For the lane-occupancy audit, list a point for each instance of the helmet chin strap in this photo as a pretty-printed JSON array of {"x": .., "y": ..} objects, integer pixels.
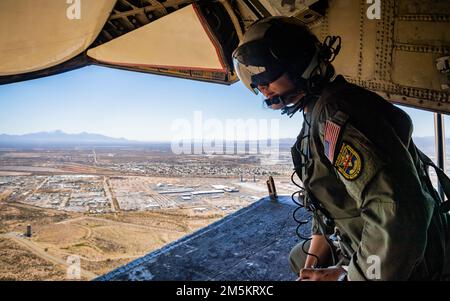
[{"x": 299, "y": 105}]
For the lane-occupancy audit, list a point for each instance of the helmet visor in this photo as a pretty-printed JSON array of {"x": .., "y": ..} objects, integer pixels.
[
  {"x": 245, "y": 75},
  {"x": 257, "y": 68}
]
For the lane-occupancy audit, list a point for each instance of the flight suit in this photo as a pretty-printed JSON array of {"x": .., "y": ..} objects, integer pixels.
[{"x": 355, "y": 156}]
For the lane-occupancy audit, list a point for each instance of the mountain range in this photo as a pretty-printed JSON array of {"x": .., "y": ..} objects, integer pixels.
[{"x": 59, "y": 137}]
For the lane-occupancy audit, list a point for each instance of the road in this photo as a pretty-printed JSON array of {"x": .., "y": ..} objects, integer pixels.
[
  {"x": 38, "y": 251},
  {"x": 118, "y": 223},
  {"x": 40, "y": 185},
  {"x": 110, "y": 195}
]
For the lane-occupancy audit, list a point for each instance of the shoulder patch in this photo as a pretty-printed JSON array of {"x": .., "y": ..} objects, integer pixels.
[
  {"x": 331, "y": 136},
  {"x": 349, "y": 162}
]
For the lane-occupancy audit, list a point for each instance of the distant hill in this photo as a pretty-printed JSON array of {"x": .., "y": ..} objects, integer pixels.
[
  {"x": 427, "y": 144},
  {"x": 60, "y": 138}
]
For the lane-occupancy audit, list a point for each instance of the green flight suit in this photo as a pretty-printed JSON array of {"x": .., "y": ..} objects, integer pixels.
[{"x": 355, "y": 155}]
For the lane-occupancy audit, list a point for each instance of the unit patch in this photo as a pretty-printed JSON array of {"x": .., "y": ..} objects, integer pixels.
[{"x": 349, "y": 162}]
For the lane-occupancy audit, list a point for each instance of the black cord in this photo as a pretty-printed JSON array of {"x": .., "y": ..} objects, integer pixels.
[
  {"x": 310, "y": 206},
  {"x": 328, "y": 52},
  {"x": 302, "y": 190},
  {"x": 301, "y": 223}
]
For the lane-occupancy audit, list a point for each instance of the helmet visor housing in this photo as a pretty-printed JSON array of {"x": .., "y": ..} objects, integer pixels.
[
  {"x": 272, "y": 47},
  {"x": 255, "y": 65}
]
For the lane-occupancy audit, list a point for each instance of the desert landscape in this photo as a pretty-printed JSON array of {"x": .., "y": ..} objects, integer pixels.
[{"x": 102, "y": 208}]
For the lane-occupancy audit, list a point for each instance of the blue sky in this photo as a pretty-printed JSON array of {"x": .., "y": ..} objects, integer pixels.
[{"x": 137, "y": 106}]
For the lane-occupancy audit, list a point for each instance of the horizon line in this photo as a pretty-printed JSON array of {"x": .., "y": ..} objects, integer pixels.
[{"x": 159, "y": 141}]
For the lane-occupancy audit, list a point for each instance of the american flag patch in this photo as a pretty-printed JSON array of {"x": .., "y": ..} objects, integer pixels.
[{"x": 332, "y": 131}]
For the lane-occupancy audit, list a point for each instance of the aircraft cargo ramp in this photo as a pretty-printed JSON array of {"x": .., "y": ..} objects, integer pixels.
[{"x": 250, "y": 244}]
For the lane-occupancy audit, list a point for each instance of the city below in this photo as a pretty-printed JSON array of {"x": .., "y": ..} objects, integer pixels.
[
  {"x": 110, "y": 205},
  {"x": 107, "y": 205}
]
